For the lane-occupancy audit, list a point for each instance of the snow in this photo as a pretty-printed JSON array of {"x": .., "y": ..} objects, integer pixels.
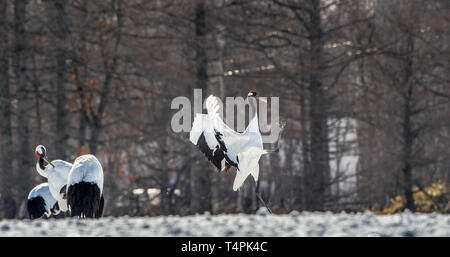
[{"x": 301, "y": 224}]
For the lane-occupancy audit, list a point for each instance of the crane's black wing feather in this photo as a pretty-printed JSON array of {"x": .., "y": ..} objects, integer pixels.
[{"x": 215, "y": 156}]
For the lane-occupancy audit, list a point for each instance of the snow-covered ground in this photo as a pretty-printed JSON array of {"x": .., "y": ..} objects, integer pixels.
[{"x": 260, "y": 224}]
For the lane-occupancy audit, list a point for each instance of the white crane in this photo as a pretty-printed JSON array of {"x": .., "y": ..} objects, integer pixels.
[
  {"x": 85, "y": 187},
  {"x": 40, "y": 201},
  {"x": 56, "y": 173},
  {"x": 225, "y": 147}
]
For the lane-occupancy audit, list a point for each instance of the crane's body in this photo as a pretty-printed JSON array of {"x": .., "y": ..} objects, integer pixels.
[
  {"x": 56, "y": 173},
  {"x": 225, "y": 147},
  {"x": 77, "y": 187},
  {"x": 85, "y": 187},
  {"x": 41, "y": 202}
]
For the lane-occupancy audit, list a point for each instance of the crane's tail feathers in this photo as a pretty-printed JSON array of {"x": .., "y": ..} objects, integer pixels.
[
  {"x": 84, "y": 200},
  {"x": 36, "y": 207},
  {"x": 255, "y": 173},
  {"x": 239, "y": 179}
]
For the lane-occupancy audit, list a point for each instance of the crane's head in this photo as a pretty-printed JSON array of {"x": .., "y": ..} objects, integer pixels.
[
  {"x": 41, "y": 152},
  {"x": 252, "y": 93}
]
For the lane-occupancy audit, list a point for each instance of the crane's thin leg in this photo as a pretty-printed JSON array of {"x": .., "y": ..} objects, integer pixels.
[{"x": 260, "y": 198}]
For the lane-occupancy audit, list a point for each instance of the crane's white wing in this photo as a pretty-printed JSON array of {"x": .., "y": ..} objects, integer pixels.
[
  {"x": 234, "y": 142},
  {"x": 231, "y": 141},
  {"x": 212, "y": 106},
  {"x": 204, "y": 137},
  {"x": 219, "y": 142}
]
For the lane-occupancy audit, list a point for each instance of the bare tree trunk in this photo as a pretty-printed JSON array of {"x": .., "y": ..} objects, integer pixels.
[
  {"x": 305, "y": 137},
  {"x": 110, "y": 66},
  {"x": 201, "y": 59},
  {"x": 201, "y": 194},
  {"x": 80, "y": 70},
  {"x": 24, "y": 152},
  {"x": 216, "y": 84},
  {"x": 316, "y": 175},
  {"x": 61, "y": 70},
  {"x": 407, "y": 154},
  {"x": 7, "y": 203},
  {"x": 409, "y": 135},
  {"x": 163, "y": 177},
  {"x": 37, "y": 97}
]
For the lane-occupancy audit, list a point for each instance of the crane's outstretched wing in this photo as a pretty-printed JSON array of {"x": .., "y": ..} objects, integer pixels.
[
  {"x": 233, "y": 142},
  {"x": 212, "y": 106},
  {"x": 203, "y": 136},
  {"x": 222, "y": 145}
]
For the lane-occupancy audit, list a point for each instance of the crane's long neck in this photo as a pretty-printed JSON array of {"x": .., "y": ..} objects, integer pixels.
[
  {"x": 253, "y": 107},
  {"x": 40, "y": 167},
  {"x": 42, "y": 163}
]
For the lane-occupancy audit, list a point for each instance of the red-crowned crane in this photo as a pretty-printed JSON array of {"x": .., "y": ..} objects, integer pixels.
[
  {"x": 40, "y": 201},
  {"x": 85, "y": 188},
  {"x": 56, "y": 173},
  {"x": 225, "y": 147}
]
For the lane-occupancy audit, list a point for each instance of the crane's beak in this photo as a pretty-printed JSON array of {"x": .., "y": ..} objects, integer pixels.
[{"x": 45, "y": 159}]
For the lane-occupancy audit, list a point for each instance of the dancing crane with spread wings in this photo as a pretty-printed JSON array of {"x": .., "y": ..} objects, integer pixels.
[{"x": 225, "y": 147}]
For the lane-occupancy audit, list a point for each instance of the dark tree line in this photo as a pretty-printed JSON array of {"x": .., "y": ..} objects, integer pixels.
[{"x": 363, "y": 88}]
